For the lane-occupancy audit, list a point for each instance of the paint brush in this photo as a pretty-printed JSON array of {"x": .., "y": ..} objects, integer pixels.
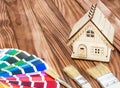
[
  {"x": 54, "y": 74},
  {"x": 73, "y": 73},
  {"x": 104, "y": 76}
]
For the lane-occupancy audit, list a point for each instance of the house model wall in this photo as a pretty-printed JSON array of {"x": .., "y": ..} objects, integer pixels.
[{"x": 92, "y": 37}]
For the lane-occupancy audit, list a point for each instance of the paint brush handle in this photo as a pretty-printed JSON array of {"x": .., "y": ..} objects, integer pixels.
[
  {"x": 82, "y": 82},
  {"x": 63, "y": 83}
]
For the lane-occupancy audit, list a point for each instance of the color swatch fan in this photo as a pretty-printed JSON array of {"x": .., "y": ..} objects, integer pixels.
[{"x": 19, "y": 69}]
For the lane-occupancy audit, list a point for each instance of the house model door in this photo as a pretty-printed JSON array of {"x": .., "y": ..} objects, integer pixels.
[{"x": 82, "y": 51}]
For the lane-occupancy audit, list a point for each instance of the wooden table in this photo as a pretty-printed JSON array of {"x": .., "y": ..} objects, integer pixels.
[{"x": 42, "y": 27}]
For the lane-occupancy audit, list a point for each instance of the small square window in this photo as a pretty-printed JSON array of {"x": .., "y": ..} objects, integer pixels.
[
  {"x": 90, "y": 33},
  {"x": 97, "y": 51}
]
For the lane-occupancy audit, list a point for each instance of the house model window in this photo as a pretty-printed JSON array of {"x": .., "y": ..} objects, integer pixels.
[
  {"x": 92, "y": 36},
  {"x": 90, "y": 33},
  {"x": 98, "y": 51}
]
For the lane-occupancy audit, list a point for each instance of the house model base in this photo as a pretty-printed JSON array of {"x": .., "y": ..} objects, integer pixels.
[{"x": 92, "y": 37}]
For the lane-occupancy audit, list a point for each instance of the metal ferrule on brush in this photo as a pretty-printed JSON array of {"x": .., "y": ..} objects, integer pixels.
[
  {"x": 82, "y": 81},
  {"x": 107, "y": 80}
]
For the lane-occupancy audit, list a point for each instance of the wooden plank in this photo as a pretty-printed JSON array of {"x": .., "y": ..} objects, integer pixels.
[
  {"x": 7, "y": 38},
  {"x": 70, "y": 9},
  {"x": 113, "y": 6},
  {"x": 20, "y": 25}
]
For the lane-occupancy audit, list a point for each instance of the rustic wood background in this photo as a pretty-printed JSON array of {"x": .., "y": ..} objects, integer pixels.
[{"x": 42, "y": 27}]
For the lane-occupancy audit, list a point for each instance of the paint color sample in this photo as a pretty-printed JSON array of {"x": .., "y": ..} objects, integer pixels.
[{"x": 20, "y": 69}]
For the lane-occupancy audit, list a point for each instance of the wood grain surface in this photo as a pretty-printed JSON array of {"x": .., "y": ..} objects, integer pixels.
[{"x": 42, "y": 27}]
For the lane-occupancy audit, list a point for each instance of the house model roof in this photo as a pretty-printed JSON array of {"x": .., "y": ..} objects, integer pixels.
[{"x": 99, "y": 20}]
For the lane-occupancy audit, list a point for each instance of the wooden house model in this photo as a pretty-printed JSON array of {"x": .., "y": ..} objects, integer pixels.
[{"x": 92, "y": 37}]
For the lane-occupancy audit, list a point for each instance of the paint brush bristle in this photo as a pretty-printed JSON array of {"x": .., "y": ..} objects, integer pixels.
[
  {"x": 104, "y": 76},
  {"x": 73, "y": 73},
  {"x": 54, "y": 74},
  {"x": 98, "y": 71}
]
